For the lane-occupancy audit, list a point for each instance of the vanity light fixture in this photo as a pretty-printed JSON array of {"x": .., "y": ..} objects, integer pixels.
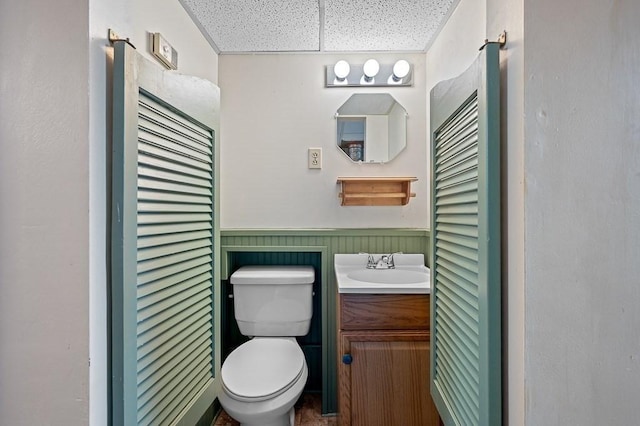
[
  {"x": 341, "y": 70},
  {"x": 371, "y": 73}
]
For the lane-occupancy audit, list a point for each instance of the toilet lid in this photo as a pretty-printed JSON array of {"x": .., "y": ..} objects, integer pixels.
[{"x": 262, "y": 368}]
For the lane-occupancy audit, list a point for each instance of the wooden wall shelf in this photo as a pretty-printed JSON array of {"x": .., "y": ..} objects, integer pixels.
[{"x": 376, "y": 191}]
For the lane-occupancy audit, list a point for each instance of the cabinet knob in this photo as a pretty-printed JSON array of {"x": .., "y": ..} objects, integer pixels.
[{"x": 347, "y": 359}]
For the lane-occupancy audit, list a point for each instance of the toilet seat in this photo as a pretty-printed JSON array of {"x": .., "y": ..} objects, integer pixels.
[{"x": 262, "y": 368}]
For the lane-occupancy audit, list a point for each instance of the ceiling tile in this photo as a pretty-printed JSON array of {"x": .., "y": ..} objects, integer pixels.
[
  {"x": 259, "y": 25},
  {"x": 362, "y": 25},
  {"x": 294, "y": 25}
]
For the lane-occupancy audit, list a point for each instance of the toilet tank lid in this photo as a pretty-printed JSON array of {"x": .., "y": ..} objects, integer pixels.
[{"x": 273, "y": 274}]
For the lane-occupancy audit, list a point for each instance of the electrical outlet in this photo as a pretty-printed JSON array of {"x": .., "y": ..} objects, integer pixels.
[{"x": 315, "y": 158}]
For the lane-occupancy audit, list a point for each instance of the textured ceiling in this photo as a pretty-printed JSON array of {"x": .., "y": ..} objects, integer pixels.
[{"x": 319, "y": 25}]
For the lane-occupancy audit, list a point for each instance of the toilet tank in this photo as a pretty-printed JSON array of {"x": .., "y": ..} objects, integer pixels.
[{"x": 273, "y": 300}]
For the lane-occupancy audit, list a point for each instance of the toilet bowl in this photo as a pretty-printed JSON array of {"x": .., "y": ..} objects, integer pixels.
[{"x": 263, "y": 378}]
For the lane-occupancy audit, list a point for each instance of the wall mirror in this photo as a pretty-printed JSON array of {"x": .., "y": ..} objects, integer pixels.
[{"x": 371, "y": 128}]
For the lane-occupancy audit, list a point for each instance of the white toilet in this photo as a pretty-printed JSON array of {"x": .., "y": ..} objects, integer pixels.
[{"x": 263, "y": 378}]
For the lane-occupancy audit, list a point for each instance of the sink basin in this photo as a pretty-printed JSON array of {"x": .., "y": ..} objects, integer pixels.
[
  {"x": 409, "y": 276},
  {"x": 387, "y": 276}
]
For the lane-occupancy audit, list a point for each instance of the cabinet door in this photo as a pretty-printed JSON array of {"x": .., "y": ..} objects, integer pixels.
[{"x": 389, "y": 379}]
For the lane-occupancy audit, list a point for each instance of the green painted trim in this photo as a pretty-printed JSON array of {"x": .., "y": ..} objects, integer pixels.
[
  {"x": 490, "y": 222},
  {"x": 325, "y": 232},
  {"x": 123, "y": 238}
]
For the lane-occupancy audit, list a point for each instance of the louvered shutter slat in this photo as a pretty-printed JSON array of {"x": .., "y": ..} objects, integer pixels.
[
  {"x": 169, "y": 217},
  {"x": 162, "y": 164},
  {"x": 151, "y": 135},
  {"x": 163, "y": 186},
  {"x": 168, "y": 290},
  {"x": 154, "y": 108},
  {"x": 176, "y": 258},
  {"x": 145, "y": 278},
  {"x": 171, "y": 281},
  {"x": 172, "y": 228},
  {"x": 149, "y": 390},
  {"x": 168, "y": 359},
  {"x": 189, "y": 331},
  {"x": 174, "y": 261},
  {"x": 171, "y": 156},
  {"x": 156, "y": 241}
]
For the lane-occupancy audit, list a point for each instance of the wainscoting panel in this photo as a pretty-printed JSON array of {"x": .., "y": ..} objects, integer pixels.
[{"x": 317, "y": 247}]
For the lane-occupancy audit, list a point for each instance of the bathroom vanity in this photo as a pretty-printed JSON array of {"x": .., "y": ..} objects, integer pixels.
[
  {"x": 383, "y": 352},
  {"x": 383, "y": 370}
]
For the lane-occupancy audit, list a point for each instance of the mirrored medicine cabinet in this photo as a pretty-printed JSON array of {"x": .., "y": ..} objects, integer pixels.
[{"x": 371, "y": 128}]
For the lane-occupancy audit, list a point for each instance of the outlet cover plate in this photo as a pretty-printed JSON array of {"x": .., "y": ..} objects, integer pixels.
[{"x": 315, "y": 158}]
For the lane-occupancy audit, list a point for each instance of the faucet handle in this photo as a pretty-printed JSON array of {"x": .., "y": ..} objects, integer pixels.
[
  {"x": 371, "y": 262},
  {"x": 391, "y": 261}
]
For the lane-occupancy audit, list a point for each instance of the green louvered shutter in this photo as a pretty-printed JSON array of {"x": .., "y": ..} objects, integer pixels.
[
  {"x": 465, "y": 264},
  {"x": 165, "y": 239}
]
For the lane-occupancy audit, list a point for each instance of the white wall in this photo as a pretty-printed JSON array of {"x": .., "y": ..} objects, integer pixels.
[
  {"x": 582, "y": 212},
  {"x": 275, "y": 107},
  {"x": 456, "y": 46},
  {"x": 54, "y": 109},
  {"x": 44, "y": 200}
]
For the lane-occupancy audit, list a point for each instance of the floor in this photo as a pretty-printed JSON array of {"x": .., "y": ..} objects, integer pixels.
[{"x": 308, "y": 413}]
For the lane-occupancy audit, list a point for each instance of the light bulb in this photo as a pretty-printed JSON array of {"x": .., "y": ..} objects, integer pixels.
[
  {"x": 400, "y": 69},
  {"x": 370, "y": 69},
  {"x": 341, "y": 69}
]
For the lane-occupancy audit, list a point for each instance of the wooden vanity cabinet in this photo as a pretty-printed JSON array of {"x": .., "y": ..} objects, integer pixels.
[{"x": 383, "y": 365}]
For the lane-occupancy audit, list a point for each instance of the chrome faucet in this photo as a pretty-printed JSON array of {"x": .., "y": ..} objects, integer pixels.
[{"x": 385, "y": 262}]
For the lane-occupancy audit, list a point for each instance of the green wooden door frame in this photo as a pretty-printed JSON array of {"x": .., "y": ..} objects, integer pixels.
[
  {"x": 450, "y": 382},
  {"x": 134, "y": 75}
]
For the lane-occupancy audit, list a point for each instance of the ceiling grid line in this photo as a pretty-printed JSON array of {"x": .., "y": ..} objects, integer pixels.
[{"x": 321, "y": 24}]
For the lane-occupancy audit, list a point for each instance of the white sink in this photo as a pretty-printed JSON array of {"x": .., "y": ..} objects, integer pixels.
[{"x": 409, "y": 275}]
